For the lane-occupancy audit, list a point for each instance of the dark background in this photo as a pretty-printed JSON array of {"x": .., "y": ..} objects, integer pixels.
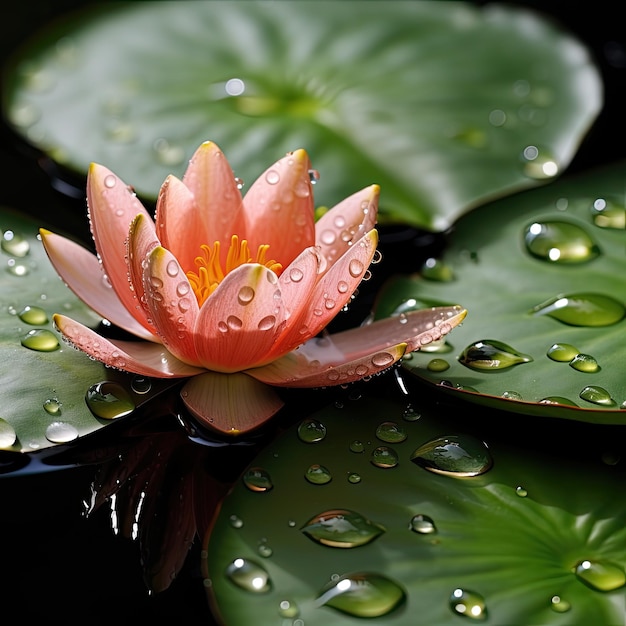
[{"x": 55, "y": 564}]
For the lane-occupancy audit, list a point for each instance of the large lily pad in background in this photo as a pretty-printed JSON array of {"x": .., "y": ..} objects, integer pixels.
[
  {"x": 45, "y": 382},
  {"x": 444, "y": 104},
  {"x": 565, "y": 242},
  {"x": 537, "y": 538}
]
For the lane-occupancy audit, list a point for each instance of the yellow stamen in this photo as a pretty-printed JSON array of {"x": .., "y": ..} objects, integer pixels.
[{"x": 210, "y": 272}]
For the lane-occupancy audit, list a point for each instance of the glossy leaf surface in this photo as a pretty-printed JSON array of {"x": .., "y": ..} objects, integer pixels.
[
  {"x": 507, "y": 544},
  {"x": 514, "y": 350},
  {"x": 443, "y": 104}
]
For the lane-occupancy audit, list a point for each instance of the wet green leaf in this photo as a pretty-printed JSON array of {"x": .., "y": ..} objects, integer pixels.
[
  {"x": 45, "y": 382},
  {"x": 444, "y": 104},
  {"x": 537, "y": 328},
  {"x": 537, "y": 538}
]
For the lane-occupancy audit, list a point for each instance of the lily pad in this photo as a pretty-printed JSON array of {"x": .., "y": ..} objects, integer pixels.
[
  {"x": 542, "y": 277},
  {"x": 444, "y": 104},
  {"x": 46, "y": 383},
  {"x": 519, "y": 542}
]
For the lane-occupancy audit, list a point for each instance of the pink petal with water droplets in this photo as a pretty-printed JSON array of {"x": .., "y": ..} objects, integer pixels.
[
  {"x": 279, "y": 209},
  {"x": 335, "y": 288},
  {"x": 172, "y": 304},
  {"x": 232, "y": 404},
  {"x": 112, "y": 207},
  {"x": 137, "y": 357},
  {"x": 82, "y": 273},
  {"x": 365, "y": 346},
  {"x": 347, "y": 222},
  {"x": 239, "y": 323}
]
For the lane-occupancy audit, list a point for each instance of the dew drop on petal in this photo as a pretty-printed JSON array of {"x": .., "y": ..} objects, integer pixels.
[
  {"x": 328, "y": 237},
  {"x": 296, "y": 274},
  {"x": 249, "y": 575},
  {"x": 245, "y": 295},
  {"x": 233, "y": 322},
  {"x": 272, "y": 177},
  {"x": 110, "y": 181},
  {"x": 382, "y": 359},
  {"x": 362, "y": 594},
  {"x": 355, "y": 267},
  {"x": 267, "y": 323},
  {"x": 172, "y": 268}
]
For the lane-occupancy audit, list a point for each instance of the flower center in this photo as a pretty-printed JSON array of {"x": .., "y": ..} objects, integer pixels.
[{"x": 210, "y": 271}]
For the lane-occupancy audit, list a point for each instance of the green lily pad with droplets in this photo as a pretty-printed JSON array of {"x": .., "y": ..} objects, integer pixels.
[
  {"x": 532, "y": 535},
  {"x": 542, "y": 275},
  {"x": 45, "y": 382},
  {"x": 444, "y": 104}
]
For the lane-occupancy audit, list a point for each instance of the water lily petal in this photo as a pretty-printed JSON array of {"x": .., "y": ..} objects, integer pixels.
[
  {"x": 347, "y": 222},
  {"x": 172, "y": 304},
  {"x": 82, "y": 273},
  {"x": 360, "y": 350},
  {"x": 335, "y": 288},
  {"x": 230, "y": 403},
  {"x": 279, "y": 208},
  {"x": 239, "y": 323},
  {"x": 297, "y": 370},
  {"x": 112, "y": 207},
  {"x": 137, "y": 357}
]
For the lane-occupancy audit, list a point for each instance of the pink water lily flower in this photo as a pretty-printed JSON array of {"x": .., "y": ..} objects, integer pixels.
[{"x": 232, "y": 292}]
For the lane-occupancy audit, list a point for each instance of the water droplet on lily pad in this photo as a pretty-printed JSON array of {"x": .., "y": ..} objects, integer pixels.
[
  {"x": 391, "y": 432},
  {"x": 33, "y": 315},
  {"x": 538, "y": 164},
  {"x": 584, "y": 363},
  {"x": 560, "y": 242},
  {"x": 311, "y": 431},
  {"x": 557, "y": 400},
  {"x": 109, "y": 400},
  {"x": 257, "y": 479},
  {"x": 318, "y": 474},
  {"x": 61, "y": 432},
  {"x": 435, "y": 269},
  {"x": 454, "y": 455},
  {"x": 423, "y": 525},
  {"x": 249, "y": 575},
  {"x": 601, "y": 575},
  {"x": 491, "y": 355},
  {"x": 52, "y": 406},
  {"x": 437, "y": 365},
  {"x": 608, "y": 214},
  {"x": 362, "y": 594},
  {"x": 597, "y": 395},
  {"x": 8, "y": 436},
  {"x": 14, "y": 244},
  {"x": 559, "y": 605},
  {"x": 342, "y": 528},
  {"x": 384, "y": 457},
  {"x": 562, "y": 352},
  {"x": 288, "y": 609},
  {"x": 41, "y": 340},
  {"x": 468, "y": 603},
  {"x": 582, "y": 309}
]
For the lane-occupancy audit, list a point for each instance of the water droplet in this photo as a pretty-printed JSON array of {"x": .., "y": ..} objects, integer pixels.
[
  {"x": 584, "y": 363},
  {"x": 257, "y": 479},
  {"x": 601, "y": 575},
  {"x": 384, "y": 457},
  {"x": 41, "y": 340},
  {"x": 410, "y": 414},
  {"x": 17, "y": 269},
  {"x": 391, "y": 432},
  {"x": 272, "y": 177},
  {"x": 249, "y": 575},
  {"x": 233, "y": 322},
  {"x": 342, "y": 528},
  {"x": 468, "y": 603},
  {"x": 354, "y": 478},
  {"x": 582, "y": 309},
  {"x": 435, "y": 269},
  {"x": 608, "y": 214},
  {"x": 597, "y": 395},
  {"x": 355, "y": 267},
  {"x": 52, "y": 406},
  {"x": 562, "y": 352},
  {"x": 61, "y": 432},
  {"x": 8, "y": 436},
  {"x": 235, "y": 521},
  {"x": 318, "y": 474},
  {"x": 264, "y": 549},
  {"x": 14, "y": 244},
  {"x": 356, "y": 446},
  {"x": 557, "y": 400},
  {"x": 490, "y": 354},
  {"x": 512, "y": 395},
  {"x": 246, "y": 295},
  {"x": 314, "y": 176},
  {"x": 560, "y": 242},
  {"x": 462, "y": 455},
  {"x": 382, "y": 359},
  {"x": 423, "y": 525},
  {"x": 288, "y": 609},
  {"x": 172, "y": 269},
  {"x": 311, "y": 431},
  {"x": 538, "y": 165},
  {"x": 33, "y": 315},
  {"x": 267, "y": 323},
  {"x": 140, "y": 384},
  {"x": 559, "y": 605},
  {"x": 110, "y": 181},
  {"x": 437, "y": 365},
  {"x": 296, "y": 274},
  {"x": 520, "y": 491},
  {"x": 362, "y": 594},
  {"x": 109, "y": 400}
]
